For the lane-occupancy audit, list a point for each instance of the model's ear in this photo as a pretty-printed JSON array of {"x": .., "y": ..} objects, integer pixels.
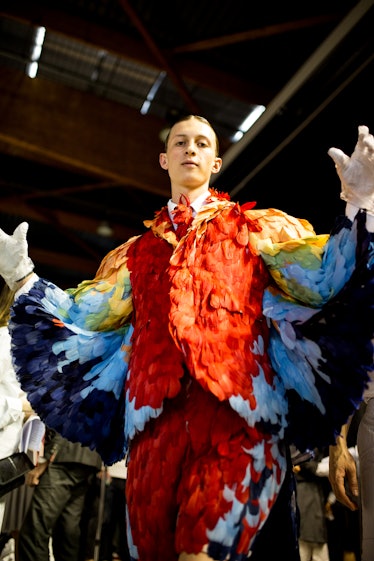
[
  {"x": 163, "y": 159},
  {"x": 217, "y": 165}
]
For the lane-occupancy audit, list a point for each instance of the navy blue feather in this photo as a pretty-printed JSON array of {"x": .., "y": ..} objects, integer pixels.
[
  {"x": 77, "y": 389},
  {"x": 342, "y": 332}
]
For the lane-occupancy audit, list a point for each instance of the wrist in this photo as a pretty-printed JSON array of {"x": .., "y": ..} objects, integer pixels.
[
  {"x": 339, "y": 446},
  {"x": 25, "y": 277},
  {"x": 25, "y": 285},
  {"x": 17, "y": 276}
]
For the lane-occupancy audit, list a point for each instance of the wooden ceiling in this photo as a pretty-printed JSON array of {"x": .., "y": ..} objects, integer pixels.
[{"x": 76, "y": 151}]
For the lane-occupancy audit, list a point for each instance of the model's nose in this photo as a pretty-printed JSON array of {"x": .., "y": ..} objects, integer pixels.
[{"x": 190, "y": 149}]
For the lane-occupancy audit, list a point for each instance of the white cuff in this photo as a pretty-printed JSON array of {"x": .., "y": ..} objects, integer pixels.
[
  {"x": 351, "y": 211},
  {"x": 27, "y": 286}
]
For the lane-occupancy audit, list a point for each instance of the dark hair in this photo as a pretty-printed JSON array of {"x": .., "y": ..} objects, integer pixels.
[{"x": 199, "y": 118}]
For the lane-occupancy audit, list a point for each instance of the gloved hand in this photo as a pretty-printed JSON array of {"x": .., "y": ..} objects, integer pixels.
[
  {"x": 357, "y": 172},
  {"x": 15, "y": 262}
]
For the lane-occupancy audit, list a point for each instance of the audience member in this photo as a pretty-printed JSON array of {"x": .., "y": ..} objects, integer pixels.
[
  {"x": 14, "y": 407},
  {"x": 106, "y": 513},
  {"x": 312, "y": 495},
  {"x": 353, "y": 481},
  {"x": 60, "y": 481}
]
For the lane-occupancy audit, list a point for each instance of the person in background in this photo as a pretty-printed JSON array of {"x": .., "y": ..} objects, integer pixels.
[
  {"x": 113, "y": 535},
  {"x": 60, "y": 480},
  {"x": 203, "y": 347},
  {"x": 14, "y": 406},
  {"x": 312, "y": 494},
  {"x": 356, "y": 490},
  {"x": 343, "y": 524},
  {"x": 106, "y": 515}
]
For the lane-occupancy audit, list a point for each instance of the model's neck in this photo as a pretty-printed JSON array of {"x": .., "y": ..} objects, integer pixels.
[{"x": 190, "y": 194}]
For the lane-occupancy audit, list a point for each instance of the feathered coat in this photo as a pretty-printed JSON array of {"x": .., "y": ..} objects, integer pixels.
[{"x": 202, "y": 355}]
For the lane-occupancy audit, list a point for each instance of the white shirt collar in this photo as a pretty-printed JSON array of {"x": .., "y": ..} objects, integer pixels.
[{"x": 196, "y": 205}]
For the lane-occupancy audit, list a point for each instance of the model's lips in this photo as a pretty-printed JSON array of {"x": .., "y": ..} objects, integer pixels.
[{"x": 189, "y": 163}]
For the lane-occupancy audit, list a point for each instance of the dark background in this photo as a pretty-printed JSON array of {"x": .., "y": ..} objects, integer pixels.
[{"x": 76, "y": 150}]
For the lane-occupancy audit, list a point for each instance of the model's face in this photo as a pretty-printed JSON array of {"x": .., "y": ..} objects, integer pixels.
[{"x": 191, "y": 158}]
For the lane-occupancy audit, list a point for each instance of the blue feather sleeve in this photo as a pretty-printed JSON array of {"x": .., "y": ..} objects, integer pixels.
[
  {"x": 323, "y": 354},
  {"x": 74, "y": 376}
]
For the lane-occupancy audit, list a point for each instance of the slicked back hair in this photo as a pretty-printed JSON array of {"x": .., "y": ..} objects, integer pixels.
[{"x": 198, "y": 118}]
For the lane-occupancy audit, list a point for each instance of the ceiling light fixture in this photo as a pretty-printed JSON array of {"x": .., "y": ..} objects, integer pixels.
[
  {"x": 248, "y": 122},
  {"x": 152, "y": 92},
  {"x": 36, "y": 51}
]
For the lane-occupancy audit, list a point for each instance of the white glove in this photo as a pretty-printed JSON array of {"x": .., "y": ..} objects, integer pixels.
[
  {"x": 357, "y": 172},
  {"x": 15, "y": 263}
]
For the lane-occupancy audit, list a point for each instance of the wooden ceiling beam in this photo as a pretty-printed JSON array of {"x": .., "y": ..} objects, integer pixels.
[
  {"x": 31, "y": 195},
  {"x": 80, "y": 265},
  {"x": 66, "y": 128},
  {"x": 59, "y": 218},
  {"x": 163, "y": 60},
  {"x": 138, "y": 51},
  {"x": 253, "y": 34}
]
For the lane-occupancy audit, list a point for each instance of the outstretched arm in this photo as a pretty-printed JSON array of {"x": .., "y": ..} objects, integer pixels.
[
  {"x": 322, "y": 348},
  {"x": 71, "y": 352}
]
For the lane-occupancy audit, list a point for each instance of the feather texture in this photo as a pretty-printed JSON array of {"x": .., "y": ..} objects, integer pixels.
[
  {"x": 203, "y": 353},
  {"x": 73, "y": 377},
  {"x": 323, "y": 355}
]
